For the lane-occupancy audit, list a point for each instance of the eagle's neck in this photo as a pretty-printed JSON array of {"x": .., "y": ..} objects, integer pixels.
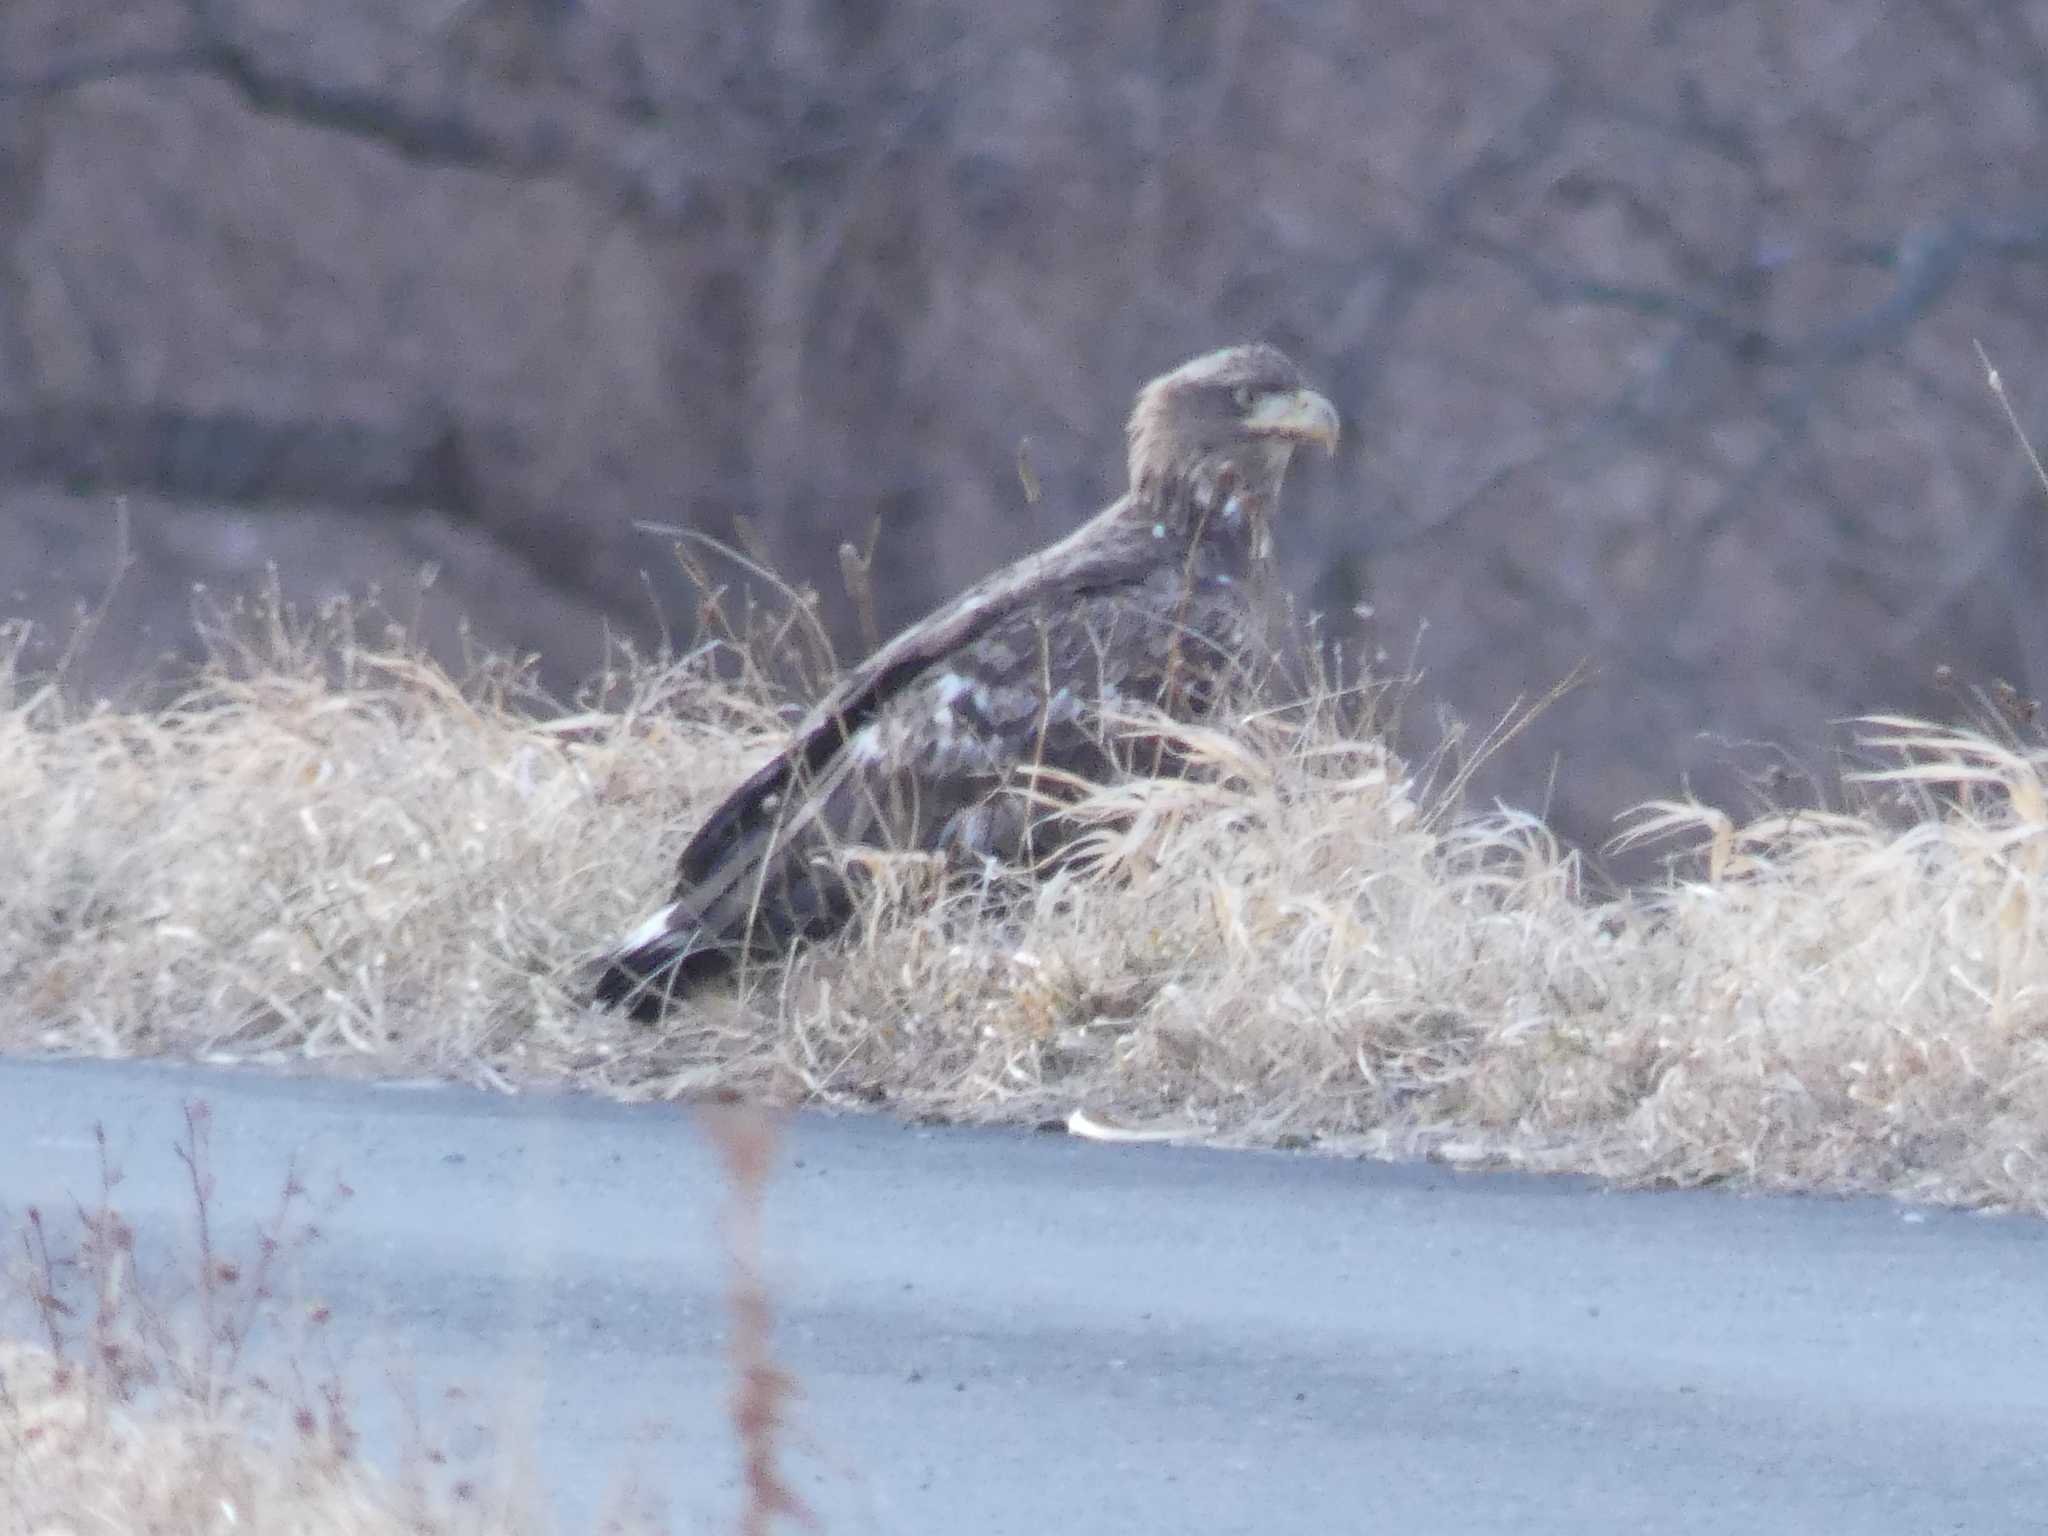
[{"x": 1216, "y": 515}]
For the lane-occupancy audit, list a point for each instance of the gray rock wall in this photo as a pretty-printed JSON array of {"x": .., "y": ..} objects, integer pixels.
[{"x": 1652, "y": 327}]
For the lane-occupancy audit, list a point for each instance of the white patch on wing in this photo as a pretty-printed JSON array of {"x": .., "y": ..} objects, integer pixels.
[
  {"x": 950, "y": 686},
  {"x": 866, "y": 745},
  {"x": 654, "y": 928}
]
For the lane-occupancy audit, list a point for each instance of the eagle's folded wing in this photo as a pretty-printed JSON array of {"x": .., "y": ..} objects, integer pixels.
[{"x": 906, "y": 752}]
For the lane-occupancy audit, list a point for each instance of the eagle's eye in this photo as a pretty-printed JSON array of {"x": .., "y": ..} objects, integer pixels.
[{"x": 1242, "y": 397}]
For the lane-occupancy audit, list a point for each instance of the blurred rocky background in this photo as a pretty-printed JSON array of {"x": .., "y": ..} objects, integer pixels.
[{"x": 1652, "y": 326}]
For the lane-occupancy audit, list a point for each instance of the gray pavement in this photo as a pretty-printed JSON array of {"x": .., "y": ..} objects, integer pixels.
[{"x": 1002, "y": 1332}]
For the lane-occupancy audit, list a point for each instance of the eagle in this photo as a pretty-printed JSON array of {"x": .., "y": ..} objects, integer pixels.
[{"x": 947, "y": 739}]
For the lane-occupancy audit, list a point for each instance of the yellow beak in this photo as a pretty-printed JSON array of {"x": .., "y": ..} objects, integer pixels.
[{"x": 1301, "y": 414}]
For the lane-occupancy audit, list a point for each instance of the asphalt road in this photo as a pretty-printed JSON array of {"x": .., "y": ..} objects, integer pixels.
[{"x": 1013, "y": 1333}]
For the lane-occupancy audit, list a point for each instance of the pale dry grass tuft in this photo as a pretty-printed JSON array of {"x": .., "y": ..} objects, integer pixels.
[
  {"x": 74, "y": 1464},
  {"x": 138, "y": 1407},
  {"x": 1865, "y": 992},
  {"x": 331, "y": 852}
]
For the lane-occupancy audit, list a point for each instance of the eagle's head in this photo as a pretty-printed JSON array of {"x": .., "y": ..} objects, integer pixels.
[{"x": 1226, "y": 422}]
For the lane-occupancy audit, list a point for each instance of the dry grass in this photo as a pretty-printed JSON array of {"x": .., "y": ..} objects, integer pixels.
[
  {"x": 171, "y": 1390},
  {"x": 77, "y": 1460},
  {"x": 139, "y": 1406},
  {"x": 329, "y": 852},
  {"x": 77, "y": 1463}
]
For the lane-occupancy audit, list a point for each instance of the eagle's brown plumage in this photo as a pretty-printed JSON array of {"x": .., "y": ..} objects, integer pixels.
[{"x": 935, "y": 740}]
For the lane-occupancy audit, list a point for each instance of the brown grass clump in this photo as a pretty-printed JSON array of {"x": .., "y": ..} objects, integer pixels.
[
  {"x": 328, "y": 851},
  {"x": 136, "y": 1407},
  {"x": 72, "y": 1461}
]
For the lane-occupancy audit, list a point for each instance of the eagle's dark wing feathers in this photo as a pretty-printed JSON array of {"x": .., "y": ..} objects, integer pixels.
[{"x": 930, "y": 745}]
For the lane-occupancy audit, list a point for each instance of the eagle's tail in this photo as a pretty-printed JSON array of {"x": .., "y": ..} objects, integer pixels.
[{"x": 658, "y": 962}]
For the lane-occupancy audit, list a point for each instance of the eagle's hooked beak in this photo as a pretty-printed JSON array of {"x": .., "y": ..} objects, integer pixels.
[{"x": 1300, "y": 414}]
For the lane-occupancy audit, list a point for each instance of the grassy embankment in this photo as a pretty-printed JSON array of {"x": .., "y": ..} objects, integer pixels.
[{"x": 333, "y": 854}]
